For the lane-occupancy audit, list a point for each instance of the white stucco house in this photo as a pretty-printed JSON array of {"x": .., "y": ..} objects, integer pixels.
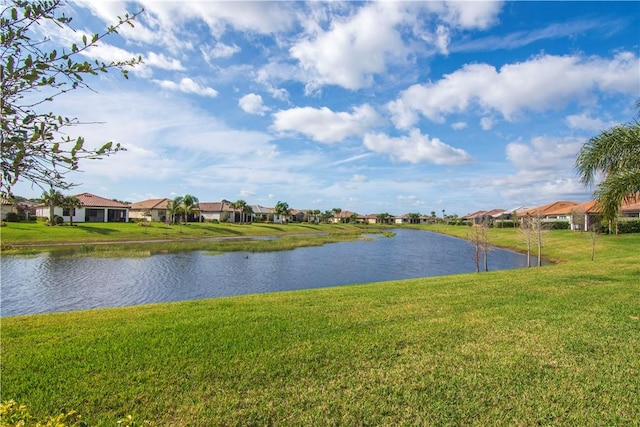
[{"x": 92, "y": 209}]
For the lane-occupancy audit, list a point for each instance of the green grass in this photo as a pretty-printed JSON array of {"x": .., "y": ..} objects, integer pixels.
[
  {"x": 556, "y": 345},
  {"x": 131, "y": 240}
]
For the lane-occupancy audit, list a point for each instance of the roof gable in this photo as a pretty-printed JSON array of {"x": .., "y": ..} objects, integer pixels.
[
  {"x": 214, "y": 207},
  {"x": 88, "y": 200},
  {"x": 151, "y": 204}
]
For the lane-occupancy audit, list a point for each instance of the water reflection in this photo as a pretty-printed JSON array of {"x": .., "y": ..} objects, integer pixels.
[{"x": 48, "y": 284}]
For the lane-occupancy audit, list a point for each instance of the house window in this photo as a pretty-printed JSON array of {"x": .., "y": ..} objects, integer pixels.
[{"x": 65, "y": 212}]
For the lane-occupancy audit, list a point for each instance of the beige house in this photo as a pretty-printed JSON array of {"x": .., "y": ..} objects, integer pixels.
[
  {"x": 344, "y": 217},
  {"x": 216, "y": 211},
  {"x": 150, "y": 209},
  {"x": 410, "y": 218}
]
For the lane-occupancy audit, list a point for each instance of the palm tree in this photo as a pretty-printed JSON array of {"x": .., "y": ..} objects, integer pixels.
[
  {"x": 282, "y": 210},
  {"x": 52, "y": 198},
  {"x": 336, "y": 213},
  {"x": 238, "y": 205},
  {"x": 383, "y": 218},
  {"x": 71, "y": 203},
  {"x": 174, "y": 208},
  {"x": 247, "y": 212},
  {"x": 224, "y": 202},
  {"x": 189, "y": 206},
  {"x": 615, "y": 154},
  {"x": 326, "y": 216}
]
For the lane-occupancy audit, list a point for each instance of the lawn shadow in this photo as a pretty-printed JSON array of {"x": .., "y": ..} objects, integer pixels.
[
  {"x": 98, "y": 230},
  {"x": 218, "y": 230},
  {"x": 271, "y": 227}
]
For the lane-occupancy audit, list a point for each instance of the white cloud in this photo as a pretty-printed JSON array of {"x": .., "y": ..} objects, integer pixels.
[
  {"x": 472, "y": 14},
  {"x": 543, "y": 83},
  {"x": 523, "y": 38},
  {"x": 585, "y": 122},
  {"x": 324, "y": 125},
  {"x": 486, "y": 123},
  {"x": 161, "y": 61},
  {"x": 442, "y": 39},
  {"x": 544, "y": 154},
  {"x": 252, "y": 104},
  {"x": 354, "y": 49},
  {"x": 351, "y": 159},
  {"x": 220, "y": 50},
  {"x": 187, "y": 85},
  {"x": 544, "y": 172},
  {"x": 359, "y": 178},
  {"x": 459, "y": 125},
  {"x": 411, "y": 199},
  {"x": 416, "y": 148}
]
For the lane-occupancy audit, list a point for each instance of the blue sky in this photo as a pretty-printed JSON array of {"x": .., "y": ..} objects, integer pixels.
[{"x": 370, "y": 107}]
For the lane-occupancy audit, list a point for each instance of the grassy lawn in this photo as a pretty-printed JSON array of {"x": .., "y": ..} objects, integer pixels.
[
  {"x": 556, "y": 345},
  {"x": 129, "y": 239}
]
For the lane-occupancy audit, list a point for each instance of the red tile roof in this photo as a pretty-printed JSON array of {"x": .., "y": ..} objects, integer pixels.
[
  {"x": 88, "y": 199},
  {"x": 474, "y": 214},
  {"x": 555, "y": 208}
]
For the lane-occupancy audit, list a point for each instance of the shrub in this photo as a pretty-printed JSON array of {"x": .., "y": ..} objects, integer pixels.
[
  {"x": 11, "y": 217},
  {"x": 506, "y": 223},
  {"x": 560, "y": 225},
  {"x": 632, "y": 226}
]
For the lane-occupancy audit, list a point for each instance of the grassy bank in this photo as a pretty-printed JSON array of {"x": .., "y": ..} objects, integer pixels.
[
  {"x": 129, "y": 240},
  {"x": 554, "y": 345}
]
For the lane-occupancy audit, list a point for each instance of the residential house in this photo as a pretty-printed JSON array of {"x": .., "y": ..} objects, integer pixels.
[
  {"x": 92, "y": 209},
  {"x": 371, "y": 219},
  {"x": 552, "y": 212},
  {"x": 150, "y": 209},
  {"x": 296, "y": 215},
  {"x": 343, "y": 217},
  {"x": 631, "y": 208},
  {"x": 410, "y": 218},
  {"x": 484, "y": 217},
  {"x": 512, "y": 214},
  {"x": 217, "y": 211},
  {"x": 471, "y": 217},
  {"x": 7, "y": 207},
  {"x": 260, "y": 213},
  {"x": 585, "y": 215},
  {"x": 379, "y": 219}
]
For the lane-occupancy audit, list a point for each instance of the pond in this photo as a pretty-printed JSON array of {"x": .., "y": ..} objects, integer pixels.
[{"x": 46, "y": 283}]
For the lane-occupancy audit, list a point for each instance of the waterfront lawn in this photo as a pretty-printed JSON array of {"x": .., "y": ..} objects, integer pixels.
[
  {"x": 16, "y": 234},
  {"x": 552, "y": 345}
]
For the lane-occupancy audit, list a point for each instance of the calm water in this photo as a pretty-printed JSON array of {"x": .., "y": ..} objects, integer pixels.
[{"x": 48, "y": 284}]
